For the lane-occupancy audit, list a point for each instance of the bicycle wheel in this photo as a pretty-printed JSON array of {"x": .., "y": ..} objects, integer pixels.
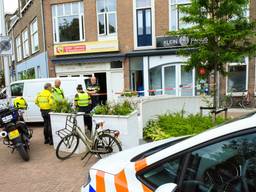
[
  {"x": 246, "y": 103},
  {"x": 67, "y": 146},
  {"x": 107, "y": 144},
  {"x": 227, "y": 102}
]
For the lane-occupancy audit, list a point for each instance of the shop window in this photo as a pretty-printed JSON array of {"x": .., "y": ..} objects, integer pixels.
[
  {"x": 136, "y": 71},
  {"x": 34, "y": 36},
  {"x": 176, "y": 15},
  {"x": 237, "y": 78},
  {"x": 18, "y": 48},
  {"x": 106, "y": 14},
  {"x": 68, "y": 22},
  {"x": 155, "y": 84},
  {"x": 25, "y": 43}
]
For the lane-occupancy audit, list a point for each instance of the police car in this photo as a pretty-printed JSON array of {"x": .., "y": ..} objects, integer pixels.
[{"x": 217, "y": 160}]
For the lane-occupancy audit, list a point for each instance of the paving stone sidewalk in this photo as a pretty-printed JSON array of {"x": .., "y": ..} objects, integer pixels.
[{"x": 44, "y": 172}]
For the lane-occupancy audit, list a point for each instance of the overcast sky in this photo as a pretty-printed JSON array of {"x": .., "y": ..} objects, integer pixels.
[{"x": 10, "y": 5}]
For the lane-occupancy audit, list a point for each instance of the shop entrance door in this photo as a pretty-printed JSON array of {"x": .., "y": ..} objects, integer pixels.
[{"x": 176, "y": 81}]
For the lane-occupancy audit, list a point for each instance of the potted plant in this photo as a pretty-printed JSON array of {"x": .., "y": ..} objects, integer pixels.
[
  {"x": 120, "y": 116},
  {"x": 58, "y": 121}
]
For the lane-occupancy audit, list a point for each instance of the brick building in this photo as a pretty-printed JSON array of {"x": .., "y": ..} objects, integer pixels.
[
  {"x": 26, "y": 27},
  {"x": 122, "y": 42}
]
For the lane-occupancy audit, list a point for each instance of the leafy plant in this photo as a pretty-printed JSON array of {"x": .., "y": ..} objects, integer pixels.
[
  {"x": 129, "y": 93},
  {"x": 63, "y": 106},
  {"x": 123, "y": 108},
  {"x": 174, "y": 125}
]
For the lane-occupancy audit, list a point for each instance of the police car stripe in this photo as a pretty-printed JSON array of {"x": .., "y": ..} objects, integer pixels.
[
  {"x": 139, "y": 165},
  {"x": 121, "y": 182},
  {"x": 146, "y": 189},
  {"x": 110, "y": 183},
  {"x": 100, "y": 183},
  {"x": 134, "y": 185}
]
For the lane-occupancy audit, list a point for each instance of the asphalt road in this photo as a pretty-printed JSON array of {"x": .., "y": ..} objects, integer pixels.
[{"x": 44, "y": 172}]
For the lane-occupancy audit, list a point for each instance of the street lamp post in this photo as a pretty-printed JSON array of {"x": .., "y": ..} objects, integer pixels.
[{"x": 5, "y": 58}]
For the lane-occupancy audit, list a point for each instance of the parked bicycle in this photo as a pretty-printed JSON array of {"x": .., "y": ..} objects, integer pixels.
[
  {"x": 102, "y": 142},
  {"x": 245, "y": 101}
]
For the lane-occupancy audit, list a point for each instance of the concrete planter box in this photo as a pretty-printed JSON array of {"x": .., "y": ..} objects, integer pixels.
[
  {"x": 58, "y": 121},
  {"x": 127, "y": 125}
]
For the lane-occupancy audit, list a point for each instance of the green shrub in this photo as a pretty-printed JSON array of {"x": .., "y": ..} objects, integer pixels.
[
  {"x": 123, "y": 108},
  {"x": 174, "y": 125},
  {"x": 63, "y": 106}
]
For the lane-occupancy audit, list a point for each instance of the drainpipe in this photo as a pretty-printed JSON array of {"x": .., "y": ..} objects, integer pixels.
[
  {"x": 5, "y": 58},
  {"x": 44, "y": 40}
]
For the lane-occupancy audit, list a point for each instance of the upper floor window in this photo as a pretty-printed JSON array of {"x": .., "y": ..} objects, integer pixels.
[
  {"x": 68, "y": 22},
  {"x": 24, "y": 3},
  {"x": 25, "y": 43},
  {"x": 106, "y": 14},
  {"x": 18, "y": 48},
  {"x": 176, "y": 15},
  {"x": 34, "y": 36},
  {"x": 144, "y": 22}
]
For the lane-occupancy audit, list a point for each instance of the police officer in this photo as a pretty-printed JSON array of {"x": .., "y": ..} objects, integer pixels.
[
  {"x": 93, "y": 88},
  {"x": 20, "y": 103},
  {"x": 58, "y": 92},
  {"x": 82, "y": 103},
  {"x": 45, "y": 101}
]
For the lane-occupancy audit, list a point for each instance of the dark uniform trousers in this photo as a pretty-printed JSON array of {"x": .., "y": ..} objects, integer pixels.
[
  {"x": 47, "y": 125},
  {"x": 87, "y": 116}
]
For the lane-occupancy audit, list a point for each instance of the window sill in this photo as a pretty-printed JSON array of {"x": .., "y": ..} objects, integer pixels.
[
  {"x": 34, "y": 52},
  {"x": 107, "y": 37},
  {"x": 144, "y": 48},
  {"x": 69, "y": 42}
]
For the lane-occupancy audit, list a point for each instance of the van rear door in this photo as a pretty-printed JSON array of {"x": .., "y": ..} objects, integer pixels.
[{"x": 31, "y": 89}]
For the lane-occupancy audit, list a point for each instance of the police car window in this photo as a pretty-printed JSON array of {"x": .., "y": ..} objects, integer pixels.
[
  {"x": 229, "y": 166},
  {"x": 165, "y": 173},
  {"x": 17, "y": 89}
]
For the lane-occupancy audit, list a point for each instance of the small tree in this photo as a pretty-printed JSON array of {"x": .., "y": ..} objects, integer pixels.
[{"x": 229, "y": 35}]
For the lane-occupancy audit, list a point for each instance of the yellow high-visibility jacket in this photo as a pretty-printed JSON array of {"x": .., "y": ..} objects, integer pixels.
[{"x": 45, "y": 100}]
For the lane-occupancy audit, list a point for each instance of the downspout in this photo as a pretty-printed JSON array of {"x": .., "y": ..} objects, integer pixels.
[{"x": 44, "y": 40}]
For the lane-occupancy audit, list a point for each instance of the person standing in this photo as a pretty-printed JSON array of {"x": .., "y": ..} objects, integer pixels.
[
  {"x": 45, "y": 102},
  {"x": 93, "y": 89},
  {"x": 58, "y": 92},
  {"x": 82, "y": 103}
]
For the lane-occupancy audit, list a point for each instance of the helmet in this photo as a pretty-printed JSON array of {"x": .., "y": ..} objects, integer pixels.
[{"x": 20, "y": 103}]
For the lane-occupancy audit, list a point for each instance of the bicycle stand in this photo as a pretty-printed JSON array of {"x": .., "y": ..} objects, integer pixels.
[{"x": 87, "y": 159}]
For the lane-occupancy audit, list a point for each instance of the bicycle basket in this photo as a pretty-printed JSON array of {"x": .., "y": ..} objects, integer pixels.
[{"x": 69, "y": 127}]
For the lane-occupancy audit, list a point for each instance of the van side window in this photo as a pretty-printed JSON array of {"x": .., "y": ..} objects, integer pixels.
[{"x": 17, "y": 89}]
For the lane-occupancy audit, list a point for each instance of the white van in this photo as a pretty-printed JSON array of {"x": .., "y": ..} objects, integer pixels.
[{"x": 30, "y": 88}]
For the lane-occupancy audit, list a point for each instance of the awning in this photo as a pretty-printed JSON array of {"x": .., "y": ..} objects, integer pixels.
[{"x": 95, "y": 58}]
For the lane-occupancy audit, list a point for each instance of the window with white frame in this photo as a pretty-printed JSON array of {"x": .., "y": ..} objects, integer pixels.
[
  {"x": 106, "y": 15},
  {"x": 144, "y": 23},
  {"x": 18, "y": 48},
  {"x": 34, "y": 36},
  {"x": 68, "y": 22},
  {"x": 25, "y": 43},
  {"x": 237, "y": 77},
  {"x": 176, "y": 15}
]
